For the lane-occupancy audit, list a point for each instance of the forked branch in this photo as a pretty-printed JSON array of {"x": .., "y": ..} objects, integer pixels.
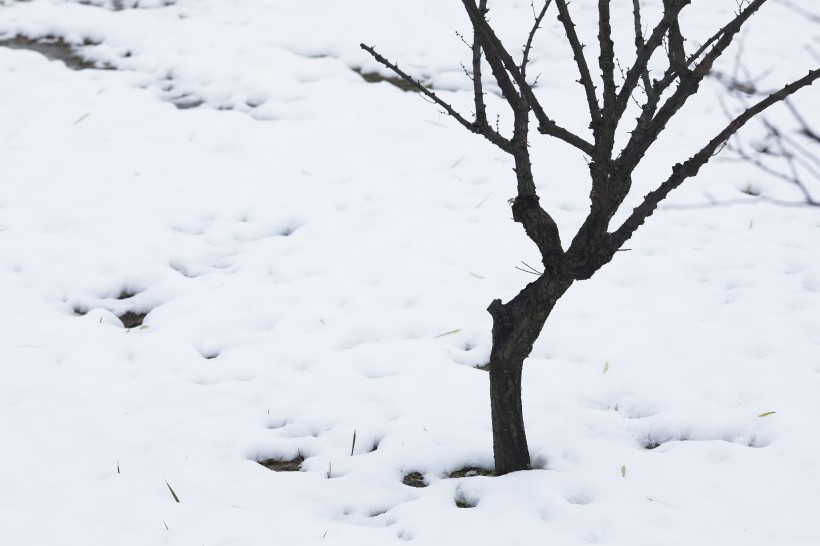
[
  {"x": 641, "y": 63},
  {"x": 505, "y": 67},
  {"x": 732, "y": 27},
  {"x": 650, "y": 123}
]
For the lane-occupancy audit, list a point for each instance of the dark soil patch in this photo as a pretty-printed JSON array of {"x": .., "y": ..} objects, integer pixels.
[
  {"x": 375, "y": 77},
  {"x": 121, "y": 5},
  {"x": 470, "y": 471},
  {"x": 187, "y": 102},
  {"x": 461, "y": 502},
  {"x": 414, "y": 479},
  {"x": 125, "y": 294},
  {"x": 131, "y": 319},
  {"x": 55, "y": 49},
  {"x": 654, "y": 443},
  {"x": 278, "y": 465}
]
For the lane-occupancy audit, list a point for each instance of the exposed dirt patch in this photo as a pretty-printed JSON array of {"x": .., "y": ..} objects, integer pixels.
[
  {"x": 125, "y": 294},
  {"x": 654, "y": 442},
  {"x": 131, "y": 319},
  {"x": 120, "y": 5},
  {"x": 651, "y": 444},
  {"x": 414, "y": 479},
  {"x": 186, "y": 102},
  {"x": 55, "y": 49},
  {"x": 470, "y": 471},
  {"x": 375, "y": 77},
  {"x": 461, "y": 502},
  {"x": 278, "y": 465}
]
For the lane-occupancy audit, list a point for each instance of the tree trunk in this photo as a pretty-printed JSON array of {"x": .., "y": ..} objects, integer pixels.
[
  {"x": 516, "y": 326},
  {"x": 509, "y": 438}
]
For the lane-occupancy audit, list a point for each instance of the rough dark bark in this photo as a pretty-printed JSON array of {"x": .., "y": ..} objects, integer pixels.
[
  {"x": 516, "y": 326},
  {"x": 518, "y": 323}
]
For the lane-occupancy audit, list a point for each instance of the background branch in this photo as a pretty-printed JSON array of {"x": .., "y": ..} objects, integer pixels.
[{"x": 690, "y": 167}]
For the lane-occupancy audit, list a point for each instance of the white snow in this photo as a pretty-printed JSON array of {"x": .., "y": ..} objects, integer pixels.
[{"x": 315, "y": 255}]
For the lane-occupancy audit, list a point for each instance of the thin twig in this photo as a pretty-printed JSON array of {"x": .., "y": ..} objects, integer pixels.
[
  {"x": 536, "y": 25},
  {"x": 484, "y": 130},
  {"x": 478, "y": 89},
  {"x": 503, "y": 67},
  {"x": 580, "y": 60},
  {"x": 645, "y": 54},
  {"x": 640, "y": 44}
]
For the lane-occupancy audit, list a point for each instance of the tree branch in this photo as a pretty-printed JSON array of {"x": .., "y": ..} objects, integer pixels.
[
  {"x": 639, "y": 44},
  {"x": 528, "y": 46},
  {"x": 690, "y": 167},
  {"x": 541, "y": 229},
  {"x": 606, "y": 59},
  {"x": 580, "y": 60},
  {"x": 805, "y": 128},
  {"x": 538, "y": 224},
  {"x": 676, "y": 53},
  {"x": 494, "y": 53},
  {"x": 777, "y": 145},
  {"x": 649, "y": 126},
  {"x": 485, "y": 130},
  {"x": 502, "y": 62},
  {"x": 478, "y": 88},
  {"x": 672, "y": 72},
  {"x": 605, "y": 131},
  {"x": 642, "y": 61}
]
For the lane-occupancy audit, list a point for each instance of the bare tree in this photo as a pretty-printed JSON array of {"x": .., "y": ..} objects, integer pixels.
[{"x": 661, "y": 95}]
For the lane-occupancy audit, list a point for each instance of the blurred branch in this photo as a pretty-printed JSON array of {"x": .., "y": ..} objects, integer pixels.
[{"x": 788, "y": 150}]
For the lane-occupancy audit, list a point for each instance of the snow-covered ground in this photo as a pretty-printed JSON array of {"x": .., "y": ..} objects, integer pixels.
[{"x": 314, "y": 255}]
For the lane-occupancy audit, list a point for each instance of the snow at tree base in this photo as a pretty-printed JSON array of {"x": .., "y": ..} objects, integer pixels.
[{"x": 221, "y": 246}]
